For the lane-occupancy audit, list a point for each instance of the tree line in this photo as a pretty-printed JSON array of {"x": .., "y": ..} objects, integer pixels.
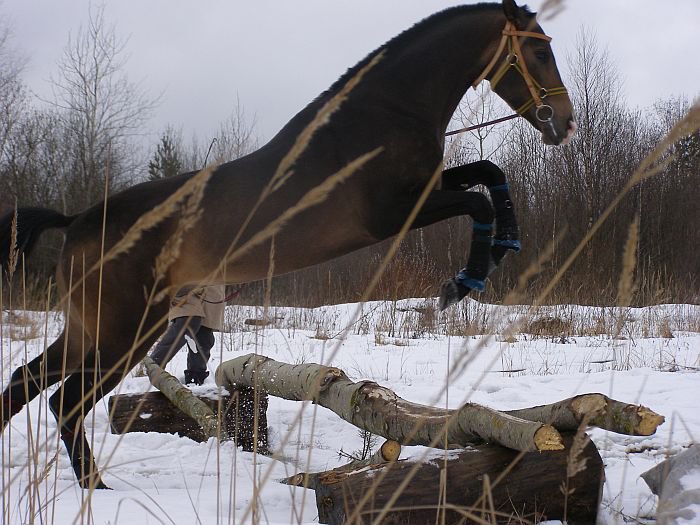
[{"x": 88, "y": 140}]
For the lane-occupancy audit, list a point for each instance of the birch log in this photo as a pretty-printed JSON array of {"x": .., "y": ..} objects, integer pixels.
[
  {"x": 183, "y": 399},
  {"x": 380, "y": 411},
  {"x": 598, "y": 410}
]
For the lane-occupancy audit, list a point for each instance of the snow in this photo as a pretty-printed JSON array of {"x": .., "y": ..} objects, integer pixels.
[
  {"x": 158, "y": 478},
  {"x": 691, "y": 480}
]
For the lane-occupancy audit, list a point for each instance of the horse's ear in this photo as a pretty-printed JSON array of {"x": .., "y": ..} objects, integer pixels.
[{"x": 511, "y": 10}]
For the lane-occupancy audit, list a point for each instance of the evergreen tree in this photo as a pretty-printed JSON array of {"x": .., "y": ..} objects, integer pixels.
[{"x": 166, "y": 160}]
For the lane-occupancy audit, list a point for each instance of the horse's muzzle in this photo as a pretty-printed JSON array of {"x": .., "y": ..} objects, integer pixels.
[{"x": 552, "y": 137}]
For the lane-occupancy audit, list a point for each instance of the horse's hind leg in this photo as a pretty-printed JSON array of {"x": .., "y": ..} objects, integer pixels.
[
  {"x": 29, "y": 380},
  {"x": 79, "y": 393},
  {"x": 69, "y": 405}
]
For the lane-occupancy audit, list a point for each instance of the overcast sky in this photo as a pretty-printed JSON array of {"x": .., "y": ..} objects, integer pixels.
[{"x": 277, "y": 55}]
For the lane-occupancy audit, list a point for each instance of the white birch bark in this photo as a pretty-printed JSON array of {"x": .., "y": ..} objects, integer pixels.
[
  {"x": 380, "y": 411},
  {"x": 597, "y": 410},
  {"x": 183, "y": 398}
]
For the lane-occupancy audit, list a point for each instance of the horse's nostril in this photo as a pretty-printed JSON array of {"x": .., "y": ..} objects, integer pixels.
[{"x": 570, "y": 131}]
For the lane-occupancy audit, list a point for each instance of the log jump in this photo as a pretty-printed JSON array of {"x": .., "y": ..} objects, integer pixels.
[
  {"x": 512, "y": 464},
  {"x": 527, "y": 464}
]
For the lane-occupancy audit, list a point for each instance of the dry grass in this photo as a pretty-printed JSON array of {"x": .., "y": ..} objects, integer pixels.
[
  {"x": 25, "y": 332},
  {"x": 468, "y": 320}
]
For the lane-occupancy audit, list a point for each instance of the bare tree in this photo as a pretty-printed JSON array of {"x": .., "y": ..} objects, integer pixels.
[
  {"x": 478, "y": 107},
  {"x": 235, "y": 138},
  {"x": 101, "y": 112},
  {"x": 13, "y": 102}
]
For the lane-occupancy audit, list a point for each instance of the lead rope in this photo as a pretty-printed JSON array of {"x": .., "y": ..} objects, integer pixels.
[{"x": 235, "y": 293}]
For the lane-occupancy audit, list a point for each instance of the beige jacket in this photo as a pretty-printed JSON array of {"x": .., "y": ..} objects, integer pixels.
[{"x": 206, "y": 302}]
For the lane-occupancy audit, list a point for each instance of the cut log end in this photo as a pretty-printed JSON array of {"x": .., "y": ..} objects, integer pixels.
[
  {"x": 601, "y": 411},
  {"x": 547, "y": 438},
  {"x": 390, "y": 450},
  {"x": 649, "y": 421}
]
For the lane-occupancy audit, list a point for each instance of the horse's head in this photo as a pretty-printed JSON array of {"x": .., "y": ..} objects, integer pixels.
[{"x": 523, "y": 72}]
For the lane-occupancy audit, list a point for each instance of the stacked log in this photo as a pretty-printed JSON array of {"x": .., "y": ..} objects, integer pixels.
[
  {"x": 468, "y": 486},
  {"x": 240, "y": 414},
  {"x": 498, "y": 467}
]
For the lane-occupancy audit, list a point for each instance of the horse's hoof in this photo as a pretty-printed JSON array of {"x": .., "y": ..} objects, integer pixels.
[
  {"x": 451, "y": 292},
  {"x": 96, "y": 485}
]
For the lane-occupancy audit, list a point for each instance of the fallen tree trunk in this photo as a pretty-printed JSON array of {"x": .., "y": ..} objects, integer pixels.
[
  {"x": 465, "y": 486},
  {"x": 380, "y": 411}
]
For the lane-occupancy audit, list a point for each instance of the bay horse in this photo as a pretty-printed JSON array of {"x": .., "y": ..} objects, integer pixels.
[{"x": 325, "y": 185}]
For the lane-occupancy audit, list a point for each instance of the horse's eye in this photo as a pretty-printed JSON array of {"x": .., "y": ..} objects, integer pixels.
[{"x": 541, "y": 55}]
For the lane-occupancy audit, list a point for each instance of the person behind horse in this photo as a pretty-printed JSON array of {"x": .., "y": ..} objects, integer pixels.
[{"x": 195, "y": 312}]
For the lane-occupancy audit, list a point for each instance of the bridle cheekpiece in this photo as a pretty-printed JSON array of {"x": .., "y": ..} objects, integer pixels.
[{"x": 543, "y": 112}]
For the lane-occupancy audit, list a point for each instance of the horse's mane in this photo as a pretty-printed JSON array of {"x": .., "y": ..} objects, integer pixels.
[{"x": 411, "y": 33}]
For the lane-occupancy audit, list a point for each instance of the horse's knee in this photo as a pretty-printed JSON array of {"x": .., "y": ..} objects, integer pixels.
[
  {"x": 492, "y": 174},
  {"x": 65, "y": 403},
  {"x": 481, "y": 208}
]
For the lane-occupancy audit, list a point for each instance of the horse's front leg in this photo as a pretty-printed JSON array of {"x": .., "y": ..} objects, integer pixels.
[
  {"x": 442, "y": 204},
  {"x": 486, "y": 173}
]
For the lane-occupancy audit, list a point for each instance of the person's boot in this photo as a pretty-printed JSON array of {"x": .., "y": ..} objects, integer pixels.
[{"x": 195, "y": 377}]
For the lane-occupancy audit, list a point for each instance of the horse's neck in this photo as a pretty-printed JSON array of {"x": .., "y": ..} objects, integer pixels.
[
  {"x": 432, "y": 74},
  {"x": 424, "y": 77}
]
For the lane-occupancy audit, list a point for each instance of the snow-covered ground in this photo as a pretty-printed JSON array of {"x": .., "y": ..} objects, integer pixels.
[{"x": 477, "y": 353}]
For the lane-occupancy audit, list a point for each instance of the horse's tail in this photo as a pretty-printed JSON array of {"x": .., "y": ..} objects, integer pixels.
[{"x": 17, "y": 237}]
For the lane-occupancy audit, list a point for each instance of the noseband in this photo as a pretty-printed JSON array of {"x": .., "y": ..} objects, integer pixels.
[{"x": 543, "y": 112}]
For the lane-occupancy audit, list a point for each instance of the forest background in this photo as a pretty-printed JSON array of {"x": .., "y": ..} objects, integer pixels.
[{"x": 90, "y": 137}]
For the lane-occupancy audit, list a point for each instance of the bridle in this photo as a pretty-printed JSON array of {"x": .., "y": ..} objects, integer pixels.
[{"x": 543, "y": 112}]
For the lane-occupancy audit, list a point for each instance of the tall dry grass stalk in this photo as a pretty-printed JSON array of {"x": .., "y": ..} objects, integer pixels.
[
  {"x": 312, "y": 198},
  {"x": 550, "y": 9},
  {"x": 284, "y": 169},
  {"x": 190, "y": 213},
  {"x": 192, "y": 191},
  {"x": 283, "y": 172},
  {"x": 627, "y": 287},
  {"x": 193, "y": 187},
  {"x": 14, "y": 249}
]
